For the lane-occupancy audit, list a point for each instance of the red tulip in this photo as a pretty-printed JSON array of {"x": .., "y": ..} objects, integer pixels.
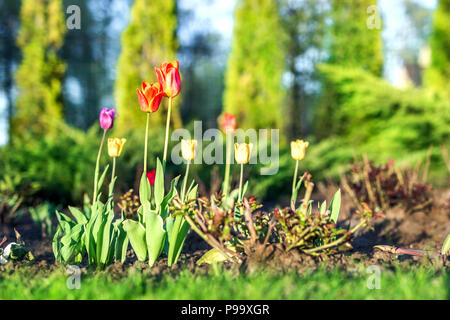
[
  {"x": 150, "y": 96},
  {"x": 151, "y": 177},
  {"x": 169, "y": 78},
  {"x": 228, "y": 123}
]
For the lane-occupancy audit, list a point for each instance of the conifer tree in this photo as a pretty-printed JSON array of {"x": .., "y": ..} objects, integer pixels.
[
  {"x": 438, "y": 75},
  {"x": 149, "y": 40},
  {"x": 356, "y": 35},
  {"x": 39, "y": 77},
  {"x": 253, "y": 88},
  {"x": 355, "y": 43}
]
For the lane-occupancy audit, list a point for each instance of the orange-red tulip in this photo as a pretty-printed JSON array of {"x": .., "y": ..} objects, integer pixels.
[
  {"x": 228, "y": 123},
  {"x": 169, "y": 78},
  {"x": 150, "y": 96}
]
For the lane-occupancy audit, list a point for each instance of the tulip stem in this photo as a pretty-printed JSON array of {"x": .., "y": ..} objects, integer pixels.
[
  {"x": 146, "y": 143},
  {"x": 183, "y": 192},
  {"x": 240, "y": 182},
  {"x": 113, "y": 169},
  {"x": 167, "y": 131},
  {"x": 294, "y": 181},
  {"x": 111, "y": 185},
  {"x": 97, "y": 167},
  {"x": 226, "y": 182}
]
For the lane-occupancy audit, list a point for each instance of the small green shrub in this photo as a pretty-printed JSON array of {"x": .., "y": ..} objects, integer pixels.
[
  {"x": 58, "y": 168},
  {"x": 360, "y": 113}
]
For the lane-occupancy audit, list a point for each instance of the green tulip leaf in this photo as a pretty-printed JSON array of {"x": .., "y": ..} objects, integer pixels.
[
  {"x": 136, "y": 234},
  {"x": 121, "y": 244},
  {"x": 192, "y": 194},
  {"x": 78, "y": 215},
  {"x": 177, "y": 238},
  {"x": 106, "y": 247},
  {"x": 335, "y": 206},
  {"x": 102, "y": 178},
  {"x": 144, "y": 189},
  {"x": 111, "y": 187},
  {"x": 244, "y": 190},
  {"x": 169, "y": 197},
  {"x": 154, "y": 235},
  {"x": 159, "y": 183},
  {"x": 211, "y": 257},
  {"x": 295, "y": 194},
  {"x": 446, "y": 246}
]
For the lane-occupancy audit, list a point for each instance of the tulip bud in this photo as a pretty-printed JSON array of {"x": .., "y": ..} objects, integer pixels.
[
  {"x": 242, "y": 152},
  {"x": 151, "y": 177},
  {"x": 106, "y": 118},
  {"x": 188, "y": 149},
  {"x": 228, "y": 122},
  {"x": 115, "y": 146},
  {"x": 169, "y": 78},
  {"x": 298, "y": 149},
  {"x": 150, "y": 96}
]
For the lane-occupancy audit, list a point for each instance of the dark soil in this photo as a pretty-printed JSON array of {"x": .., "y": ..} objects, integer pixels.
[{"x": 420, "y": 230}]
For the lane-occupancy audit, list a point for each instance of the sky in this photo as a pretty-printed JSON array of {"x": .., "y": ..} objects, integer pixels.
[
  {"x": 218, "y": 16},
  {"x": 394, "y": 28}
]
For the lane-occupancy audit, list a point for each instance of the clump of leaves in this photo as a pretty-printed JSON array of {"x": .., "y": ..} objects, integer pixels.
[
  {"x": 315, "y": 233},
  {"x": 93, "y": 231},
  {"x": 234, "y": 235},
  {"x": 157, "y": 228},
  {"x": 385, "y": 186}
]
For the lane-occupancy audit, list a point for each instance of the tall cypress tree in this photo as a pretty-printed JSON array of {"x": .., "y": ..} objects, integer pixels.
[
  {"x": 438, "y": 75},
  {"x": 149, "y": 40},
  {"x": 253, "y": 90},
  {"x": 354, "y": 43},
  {"x": 39, "y": 105}
]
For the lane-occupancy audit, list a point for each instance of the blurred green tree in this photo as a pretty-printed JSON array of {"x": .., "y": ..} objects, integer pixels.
[
  {"x": 149, "y": 40},
  {"x": 355, "y": 42},
  {"x": 384, "y": 122},
  {"x": 39, "y": 107},
  {"x": 253, "y": 88},
  {"x": 356, "y": 35},
  {"x": 438, "y": 75}
]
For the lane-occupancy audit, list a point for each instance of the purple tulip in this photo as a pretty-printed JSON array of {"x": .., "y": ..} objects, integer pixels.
[{"x": 107, "y": 116}]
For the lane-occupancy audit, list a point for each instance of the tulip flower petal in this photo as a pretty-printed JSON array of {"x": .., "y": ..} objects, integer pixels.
[{"x": 143, "y": 102}]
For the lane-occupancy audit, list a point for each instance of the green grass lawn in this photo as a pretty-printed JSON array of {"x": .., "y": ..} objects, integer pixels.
[{"x": 417, "y": 283}]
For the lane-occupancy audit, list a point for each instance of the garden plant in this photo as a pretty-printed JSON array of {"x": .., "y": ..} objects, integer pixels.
[{"x": 244, "y": 149}]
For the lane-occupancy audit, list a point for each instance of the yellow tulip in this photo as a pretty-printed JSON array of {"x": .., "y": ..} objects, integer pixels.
[
  {"x": 188, "y": 149},
  {"x": 242, "y": 152},
  {"x": 298, "y": 149},
  {"x": 115, "y": 146}
]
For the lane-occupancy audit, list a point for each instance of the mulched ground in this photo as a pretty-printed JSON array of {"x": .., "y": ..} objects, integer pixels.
[{"x": 420, "y": 230}]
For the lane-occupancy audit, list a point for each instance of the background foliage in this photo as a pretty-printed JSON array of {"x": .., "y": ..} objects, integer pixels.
[
  {"x": 311, "y": 68},
  {"x": 148, "y": 40},
  {"x": 39, "y": 76},
  {"x": 256, "y": 63}
]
